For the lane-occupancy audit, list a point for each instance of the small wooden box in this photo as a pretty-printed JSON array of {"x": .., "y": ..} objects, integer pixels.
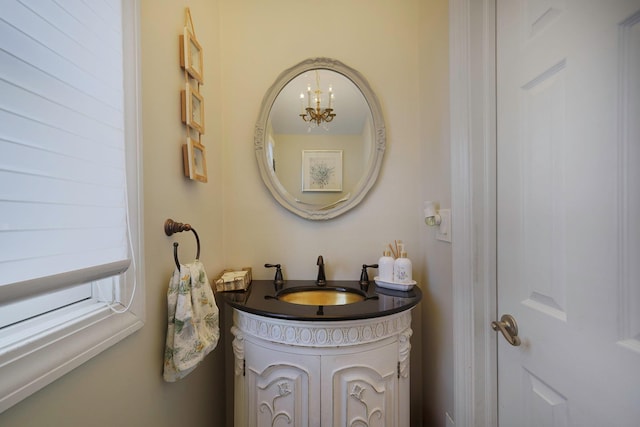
[{"x": 233, "y": 280}]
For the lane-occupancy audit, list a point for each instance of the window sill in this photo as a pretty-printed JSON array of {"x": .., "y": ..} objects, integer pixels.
[{"x": 37, "y": 353}]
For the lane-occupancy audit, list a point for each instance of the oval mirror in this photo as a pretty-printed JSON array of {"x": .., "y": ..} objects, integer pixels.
[{"x": 320, "y": 138}]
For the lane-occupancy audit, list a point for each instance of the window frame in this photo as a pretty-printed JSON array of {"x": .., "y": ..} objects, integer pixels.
[{"x": 36, "y": 352}]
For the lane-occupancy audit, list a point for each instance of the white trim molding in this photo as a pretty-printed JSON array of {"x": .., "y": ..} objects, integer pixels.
[
  {"x": 472, "y": 96},
  {"x": 57, "y": 347}
]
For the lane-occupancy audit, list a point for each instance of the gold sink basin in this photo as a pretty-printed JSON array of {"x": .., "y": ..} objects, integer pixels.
[{"x": 321, "y": 296}]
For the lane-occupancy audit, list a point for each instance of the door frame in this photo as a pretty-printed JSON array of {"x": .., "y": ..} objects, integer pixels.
[{"x": 473, "y": 200}]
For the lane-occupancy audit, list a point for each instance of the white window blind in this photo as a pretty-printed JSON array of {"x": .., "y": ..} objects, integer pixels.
[
  {"x": 63, "y": 212},
  {"x": 69, "y": 129}
]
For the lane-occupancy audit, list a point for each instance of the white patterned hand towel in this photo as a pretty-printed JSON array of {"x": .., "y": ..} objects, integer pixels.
[{"x": 193, "y": 329}]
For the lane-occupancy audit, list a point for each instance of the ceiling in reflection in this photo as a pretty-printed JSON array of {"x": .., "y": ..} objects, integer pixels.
[{"x": 349, "y": 105}]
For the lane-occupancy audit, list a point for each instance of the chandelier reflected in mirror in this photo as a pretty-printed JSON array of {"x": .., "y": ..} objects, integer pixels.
[{"x": 316, "y": 116}]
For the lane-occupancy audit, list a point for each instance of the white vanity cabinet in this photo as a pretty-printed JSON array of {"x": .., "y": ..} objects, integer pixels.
[{"x": 321, "y": 373}]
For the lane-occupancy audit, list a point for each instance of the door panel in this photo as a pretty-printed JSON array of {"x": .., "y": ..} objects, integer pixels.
[
  {"x": 361, "y": 388},
  {"x": 542, "y": 162},
  {"x": 281, "y": 388},
  {"x": 568, "y": 155},
  {"x": 629, "y": 167},
  {"x": 543, "y": 406}
]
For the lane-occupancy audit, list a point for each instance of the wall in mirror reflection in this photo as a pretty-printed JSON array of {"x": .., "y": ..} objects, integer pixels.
[{"x": 287, "y": 161}]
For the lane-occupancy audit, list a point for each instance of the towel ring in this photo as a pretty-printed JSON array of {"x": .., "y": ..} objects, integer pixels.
[{"x": 170, "y": 227}]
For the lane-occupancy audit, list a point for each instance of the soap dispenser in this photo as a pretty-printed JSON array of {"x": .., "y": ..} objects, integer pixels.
[
  {"x": 385, "y": 267},
  {"x": 402, "y": 269}
]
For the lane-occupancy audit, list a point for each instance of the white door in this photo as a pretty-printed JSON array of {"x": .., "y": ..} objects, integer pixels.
[{"x": 568, "y": 81}]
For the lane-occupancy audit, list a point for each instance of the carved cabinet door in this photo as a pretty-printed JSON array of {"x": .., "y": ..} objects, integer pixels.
[
  {"x": 361, "y": 389},
  {"x": 281, "y": 388}
]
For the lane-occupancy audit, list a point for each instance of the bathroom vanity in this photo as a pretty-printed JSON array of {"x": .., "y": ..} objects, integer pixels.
[{"x": 312, "y": 366}]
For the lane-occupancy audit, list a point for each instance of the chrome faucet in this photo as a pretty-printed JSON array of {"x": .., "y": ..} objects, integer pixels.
[{"x": 321, "y": 280}]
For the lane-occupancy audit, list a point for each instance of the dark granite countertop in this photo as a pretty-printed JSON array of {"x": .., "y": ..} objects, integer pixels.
[{"x": 260, "y": 299}]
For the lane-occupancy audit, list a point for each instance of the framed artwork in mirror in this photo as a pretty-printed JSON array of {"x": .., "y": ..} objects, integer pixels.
[
  {"x": 193, "y": 109},
  {"x": 194, "y": 160},
  {"x": 322, "y": 170},
  {"x": 191, "y": 55}
]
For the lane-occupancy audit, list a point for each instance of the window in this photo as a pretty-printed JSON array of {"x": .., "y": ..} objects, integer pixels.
[{"x": 70, "y": 241}]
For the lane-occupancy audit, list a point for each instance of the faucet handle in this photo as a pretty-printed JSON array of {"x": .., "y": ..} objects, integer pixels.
[
  {"x": 277, "y": 280},
  {"x": 364, "y": 276}
]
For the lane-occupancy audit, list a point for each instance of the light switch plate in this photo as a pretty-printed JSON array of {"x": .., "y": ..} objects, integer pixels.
[{"x": 443, "y": 232}]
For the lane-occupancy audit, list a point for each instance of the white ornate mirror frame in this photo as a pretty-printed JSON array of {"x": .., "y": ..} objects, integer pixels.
[{"x": 320, "y": 212}]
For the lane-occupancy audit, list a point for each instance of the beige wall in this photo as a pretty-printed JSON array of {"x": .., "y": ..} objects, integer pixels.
[
  {"x": 401, "y": 48},
  {"x": 437, "y": 320}
]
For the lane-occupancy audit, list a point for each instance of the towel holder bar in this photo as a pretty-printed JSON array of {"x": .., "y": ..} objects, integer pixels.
[{"x": 171, "y": 227}]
